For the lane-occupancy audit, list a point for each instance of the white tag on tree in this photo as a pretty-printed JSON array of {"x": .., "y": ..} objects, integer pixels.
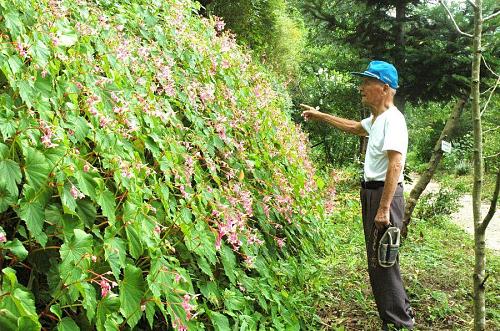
[{"x": 445, "y": 146}]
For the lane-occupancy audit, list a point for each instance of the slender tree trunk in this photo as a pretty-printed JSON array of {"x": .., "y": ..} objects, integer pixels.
[
  {"x": 479, "y": 231},
  {"x": 426, "y": 177}
]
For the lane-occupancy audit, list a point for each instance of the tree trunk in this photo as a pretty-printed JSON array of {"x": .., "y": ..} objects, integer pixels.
[
  {"x": 426, "y": 177},
  {"x": 479, "y": 231}
]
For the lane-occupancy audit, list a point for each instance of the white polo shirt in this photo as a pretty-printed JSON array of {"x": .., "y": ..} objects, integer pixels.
[{"x": 387, "y": 132}]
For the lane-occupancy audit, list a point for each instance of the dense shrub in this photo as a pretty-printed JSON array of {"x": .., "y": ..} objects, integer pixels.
[
  {"x": 149, "y": 175},
  {"x": 442, "y": 203},
  {"x": 273, "y": 29}
]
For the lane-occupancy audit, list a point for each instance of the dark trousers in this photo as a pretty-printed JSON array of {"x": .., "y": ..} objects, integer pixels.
[{"x": 387, "y": 286}]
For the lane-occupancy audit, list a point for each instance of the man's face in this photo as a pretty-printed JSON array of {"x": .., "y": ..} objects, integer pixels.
[{"x": 372, "y": 92}]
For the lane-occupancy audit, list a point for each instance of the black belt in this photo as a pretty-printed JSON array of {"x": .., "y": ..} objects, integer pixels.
[{"x": 374, "y": 184}]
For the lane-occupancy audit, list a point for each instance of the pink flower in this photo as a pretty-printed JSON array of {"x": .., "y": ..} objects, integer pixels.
[
  {"x": 280, "y": 242},
  {"x": 75, "y": 193},
  {"x": 157, "y": 229},
  {"x": 21, "y": 49},
  {"x": 177, "y": 324},
  {"x": 94, "y": 258},
  {"x": 207, "y": 93},
  {"x": 104, "y": 121},
  {"x": 105, "y": 287},
  {"x": 3, "y": 237},
  {"x": 187, "y": 306},
  {"x": 86, "y": 167},
  {"x": 219, "y": 24},
  {"x": 218, "y": 240},
  {"x": 47, "y": 135}
]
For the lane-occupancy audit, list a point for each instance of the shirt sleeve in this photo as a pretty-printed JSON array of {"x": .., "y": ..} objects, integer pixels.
[
  {"x": 367, "y": 124},
  {"x": 395, "y": 134}
]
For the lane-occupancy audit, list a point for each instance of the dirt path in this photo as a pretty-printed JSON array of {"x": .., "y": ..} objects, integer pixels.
[{"x": 464, "y": 218}]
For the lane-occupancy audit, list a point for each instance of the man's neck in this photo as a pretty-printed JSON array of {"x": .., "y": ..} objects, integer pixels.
[{"x": 376, "y": 111}]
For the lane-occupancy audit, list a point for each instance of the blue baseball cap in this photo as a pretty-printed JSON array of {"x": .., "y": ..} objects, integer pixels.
[{"x": 383, "y": 71}]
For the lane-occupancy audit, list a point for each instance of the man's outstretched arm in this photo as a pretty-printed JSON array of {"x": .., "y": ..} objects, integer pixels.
[{"x": 343, "y": 124}]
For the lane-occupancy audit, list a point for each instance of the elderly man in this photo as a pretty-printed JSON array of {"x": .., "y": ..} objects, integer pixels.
[{"x": 382, "y": 188}]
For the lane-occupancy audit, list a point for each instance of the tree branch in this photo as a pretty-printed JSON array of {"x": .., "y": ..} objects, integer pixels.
[
  {"x": 489, "y": 68},
  {"x": 493, "y": 206},
  {"x": 492, "y": 129},
  {"x": 491, "y": 16},
  {"x": 490, "y": 156},
  {"x": 317, "y": 11},
  {"x": 453, "y": 20},
  {"x": 491, "y": 94}
]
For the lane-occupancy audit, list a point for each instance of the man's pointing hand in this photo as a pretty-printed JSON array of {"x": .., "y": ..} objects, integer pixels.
[{"x": 310, "y": 112}]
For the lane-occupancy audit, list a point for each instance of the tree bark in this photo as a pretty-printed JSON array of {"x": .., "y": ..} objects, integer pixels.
[
  {"x": 479, "y": 231},
  {"x": 426, "y": 177}
]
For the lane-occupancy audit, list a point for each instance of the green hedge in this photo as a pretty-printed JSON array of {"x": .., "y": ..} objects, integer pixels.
[{"x": 150, "y": 177}]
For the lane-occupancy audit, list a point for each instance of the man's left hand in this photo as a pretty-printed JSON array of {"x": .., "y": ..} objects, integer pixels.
[{"x": 382, "y": 219}]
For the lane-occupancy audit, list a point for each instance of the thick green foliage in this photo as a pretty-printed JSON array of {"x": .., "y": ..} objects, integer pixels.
[
  {"x": 323, "y": 84},
  {"x": 149, "y": 175},
  {"x": 272, "y": 28}
]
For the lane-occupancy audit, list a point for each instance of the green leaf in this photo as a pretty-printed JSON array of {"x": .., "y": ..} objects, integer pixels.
[
  {"x": 134, "y": 241},
  {"x": 8, "y": 321},
  {"x": 219, "y": 321},
  {"x": 89, "y": 301},
  {"x": 74, "y": 251},
  {"x": 4, "y": 151},
  {"x": 28, "y": 323},
  {"x": 107, "y": 202},
  {"x": 67, "y": 199},
  {"x": 7, "y": 199},
  {"x": 7, "y": 128},
  {"x": 13, "y": 23},
  {"x": 115, "y": 253},
  {"x": 205, "y": 267},
  {"x": 210, "y": 291},
  {"x": 56, "y": 310},
  {"x": 17, "y": 248},
  {"x": 15, "y": 64},
  {"x": 86, "y": 183},
  {"x": 33, "y": 214},
  {"x": 37, "y": 168},
  {"x": 131, "y": 292},
  {"x": 234, "y": 300},
  {"x": 67, "y": 324},
  {"x": 11, "y": 175},
  {"x": 40, "y": 53},
  {"x": 67, "y": 37},
  {"x": 107, "y": 309},
  {"x": 27, "y": 93},
  {"x": 86, "y": 211},
  {"x": 228, "y": 262},
  {"x": 80, "y": 127}
]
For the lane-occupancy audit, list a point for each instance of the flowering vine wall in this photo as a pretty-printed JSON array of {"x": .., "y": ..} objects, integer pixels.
[{"x": 149, "y": 174}]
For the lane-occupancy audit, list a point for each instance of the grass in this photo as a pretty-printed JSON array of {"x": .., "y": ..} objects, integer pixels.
[{"x": 436, "y": 262}]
